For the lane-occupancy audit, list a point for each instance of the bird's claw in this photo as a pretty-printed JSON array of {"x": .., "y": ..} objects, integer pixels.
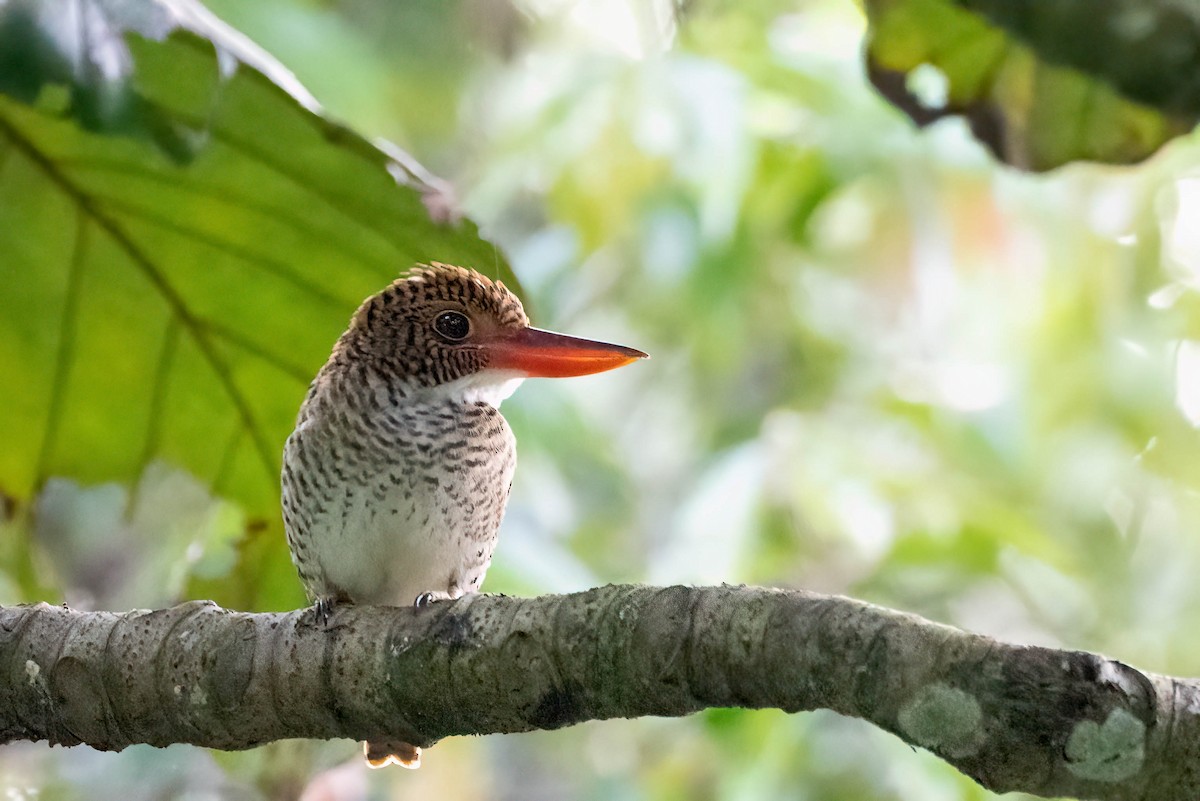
[
  {"x": 323, "y": 610},
  {"x": 424, "y": 599}
]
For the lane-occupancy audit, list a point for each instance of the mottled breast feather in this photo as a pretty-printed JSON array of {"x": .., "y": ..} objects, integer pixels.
[
  {"x": 394, "y": 480},
  {"x": 384, "y": 505}
]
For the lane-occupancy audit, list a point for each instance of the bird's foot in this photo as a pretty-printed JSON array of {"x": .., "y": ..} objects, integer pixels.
[
  {"x": 392, "y": 752},
  {"x": 323, "y": 609},
  {"x": 426, "y": 598}
]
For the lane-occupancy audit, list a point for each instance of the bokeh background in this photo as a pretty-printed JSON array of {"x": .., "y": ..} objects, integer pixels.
[{"x": 883, "y": 366}]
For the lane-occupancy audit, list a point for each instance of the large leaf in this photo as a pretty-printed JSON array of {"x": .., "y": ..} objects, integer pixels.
[
  {"x": 182, "y": 238},
  {"x": 1030, "y": 113},
  {"x": 1145, "y": 48}
]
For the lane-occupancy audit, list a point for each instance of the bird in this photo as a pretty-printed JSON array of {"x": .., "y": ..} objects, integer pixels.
[{"x": 397, "y": 474}]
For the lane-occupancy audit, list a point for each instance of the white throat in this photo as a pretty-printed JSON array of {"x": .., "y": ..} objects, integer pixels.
[{"x": 486, "y": 386}]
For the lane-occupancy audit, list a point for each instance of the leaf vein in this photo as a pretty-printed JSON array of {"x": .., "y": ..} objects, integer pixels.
[
  {"x": 158, "y": 392},
  {"x": 157, "y": 279},
  {"x": 237, "y": 339},
  {"x": 224, "y": 195},
  {"x": 252, "y": 259},
  {"x": 65, "y": 352},
  {"x": 393, "y": 234}
]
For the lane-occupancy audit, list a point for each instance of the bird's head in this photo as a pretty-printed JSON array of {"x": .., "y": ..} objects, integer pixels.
[{"x": 453, "y": 331}]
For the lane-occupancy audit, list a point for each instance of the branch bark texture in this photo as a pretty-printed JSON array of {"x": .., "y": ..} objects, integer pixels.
[{"x": 1044, "y": 721}]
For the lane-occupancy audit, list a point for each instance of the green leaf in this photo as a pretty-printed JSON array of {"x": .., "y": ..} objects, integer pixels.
[
  {"x": 1030, "y": 113},
  {"x": 1145, "y": 49},
  {"x": 183, "y": 236}
]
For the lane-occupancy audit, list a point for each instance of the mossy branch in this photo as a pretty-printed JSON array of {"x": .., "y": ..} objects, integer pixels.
[{"x": 1048, "y": 722}]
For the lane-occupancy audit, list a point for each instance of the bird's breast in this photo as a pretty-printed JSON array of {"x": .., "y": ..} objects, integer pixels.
[{"x": 396, "y": 501}]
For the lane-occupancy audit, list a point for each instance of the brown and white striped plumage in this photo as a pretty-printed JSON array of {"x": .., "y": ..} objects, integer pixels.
[
  {"x": 397, "y": 474},
  {"x": 396, "y": 477}
]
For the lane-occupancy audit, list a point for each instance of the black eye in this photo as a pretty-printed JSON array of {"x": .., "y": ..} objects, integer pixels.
[{"x": 452, "y": 325}]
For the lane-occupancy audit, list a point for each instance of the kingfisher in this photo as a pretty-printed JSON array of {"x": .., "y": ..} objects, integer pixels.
[{"x": 397, "y": 474}]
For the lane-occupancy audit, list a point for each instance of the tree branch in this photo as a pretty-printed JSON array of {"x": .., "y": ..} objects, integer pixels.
[{"x": 1012, "y": 717}]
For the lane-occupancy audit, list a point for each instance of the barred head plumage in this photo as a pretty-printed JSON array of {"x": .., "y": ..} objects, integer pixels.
[
  {"x": 429, "y": 327},
  {"x": 441, "y": 324}
]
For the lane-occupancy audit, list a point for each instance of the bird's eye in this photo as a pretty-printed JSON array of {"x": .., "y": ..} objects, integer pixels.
[{"x": 452, "y": 325}]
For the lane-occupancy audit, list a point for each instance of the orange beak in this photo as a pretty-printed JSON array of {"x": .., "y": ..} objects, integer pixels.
[{"x": 545, "y": 354}]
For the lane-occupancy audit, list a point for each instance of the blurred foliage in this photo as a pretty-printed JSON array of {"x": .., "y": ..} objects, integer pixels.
[{"x": 883, "y": 366}]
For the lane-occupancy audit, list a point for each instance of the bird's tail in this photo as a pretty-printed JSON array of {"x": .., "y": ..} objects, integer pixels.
[{"x": 382, "y": 753}]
